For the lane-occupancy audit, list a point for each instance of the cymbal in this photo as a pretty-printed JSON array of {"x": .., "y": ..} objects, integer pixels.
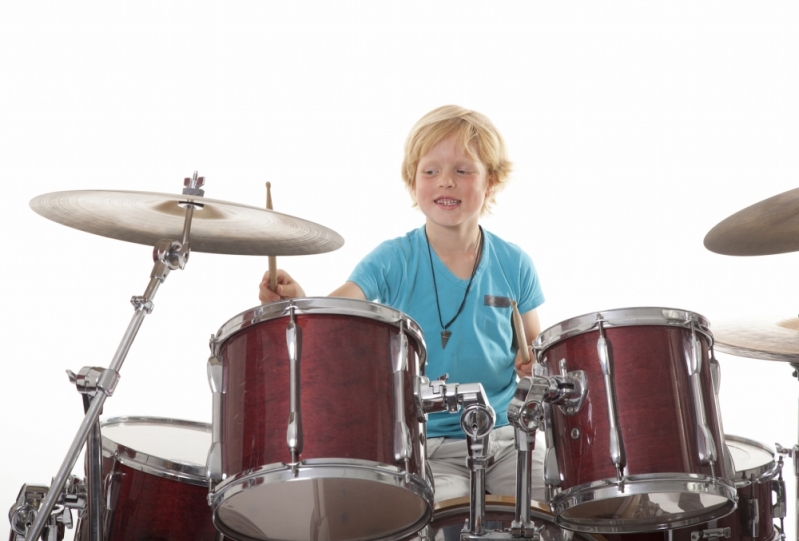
[
  {"x": 768, "y": 227},
  {"x": 219, "y": 227},
  {"x": 759, "y": 339}
]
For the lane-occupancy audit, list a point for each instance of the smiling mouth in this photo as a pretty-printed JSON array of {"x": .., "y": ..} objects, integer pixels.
[{"x": 447, "y": 202}]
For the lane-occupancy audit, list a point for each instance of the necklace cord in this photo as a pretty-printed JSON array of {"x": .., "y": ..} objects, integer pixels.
[{"x": 435, "y": 287}]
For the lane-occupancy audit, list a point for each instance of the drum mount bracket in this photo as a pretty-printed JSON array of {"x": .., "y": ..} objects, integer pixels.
[{"x": 29, "y": 502}]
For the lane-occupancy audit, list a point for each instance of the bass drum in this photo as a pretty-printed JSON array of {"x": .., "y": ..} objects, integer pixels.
[{"x": 451, "y": 515}]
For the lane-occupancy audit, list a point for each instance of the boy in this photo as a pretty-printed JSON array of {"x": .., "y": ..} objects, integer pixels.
[{"x": 440, "y": 274}]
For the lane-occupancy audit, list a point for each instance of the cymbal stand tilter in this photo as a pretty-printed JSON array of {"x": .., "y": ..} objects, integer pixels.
[
  {"x": 168, "y": 255},
  {"x": 792, "y": 452}
]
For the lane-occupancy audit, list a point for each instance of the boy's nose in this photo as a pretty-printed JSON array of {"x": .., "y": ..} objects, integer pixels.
[{"x": 446, "y": 181}]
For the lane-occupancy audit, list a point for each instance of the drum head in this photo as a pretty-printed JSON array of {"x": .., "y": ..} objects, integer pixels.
[
  {"x": 644, "y": 503},
  {"x": 451, "y": 515},
  {"x": 752, "y": 460},
  {"x": 159, "y": 446},
  {"x": 325, "y": 503}
]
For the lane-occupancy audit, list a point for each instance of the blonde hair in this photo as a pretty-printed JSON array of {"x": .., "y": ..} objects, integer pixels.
[{"x": 473, "y": 130}]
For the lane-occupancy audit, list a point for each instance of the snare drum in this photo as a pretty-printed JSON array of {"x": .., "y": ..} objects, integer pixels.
[
  {"x": 451, "y": 515},
  {"x": 155, "y": 482},
  {"x": 318, "y": 433},
  {"x": 644, "y": 451},
  {"x": 755, "y": 477}
]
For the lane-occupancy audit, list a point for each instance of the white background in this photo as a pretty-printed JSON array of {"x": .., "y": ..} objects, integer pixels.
[{"x": 634, "y": 127}]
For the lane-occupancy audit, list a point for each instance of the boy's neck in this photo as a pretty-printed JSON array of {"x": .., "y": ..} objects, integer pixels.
[{"x": 457, "y": 243}]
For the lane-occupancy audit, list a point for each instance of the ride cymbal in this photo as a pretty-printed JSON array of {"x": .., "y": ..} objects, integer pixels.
[
  {"x": 759, "y": 339},
  {"x": 768, "y": 227},
  {"x": 219, "y": 227}
]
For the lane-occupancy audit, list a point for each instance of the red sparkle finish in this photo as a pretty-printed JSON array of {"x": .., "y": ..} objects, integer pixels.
[
  {"x": 346, "y": 393},
  {"x": 654, "y": 403},
  {"x": 148, "y": 507}
]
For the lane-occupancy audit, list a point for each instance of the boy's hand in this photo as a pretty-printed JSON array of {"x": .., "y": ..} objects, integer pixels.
[
  {"x": 287, "y": 288},
  {"x": 523, "y": 370}
]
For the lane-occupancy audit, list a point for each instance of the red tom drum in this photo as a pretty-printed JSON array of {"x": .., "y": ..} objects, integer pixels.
[
  {"x": 155, "y": 481},
  {"x": 318, "y": 433},
  {"x": 645, "y": 450}
]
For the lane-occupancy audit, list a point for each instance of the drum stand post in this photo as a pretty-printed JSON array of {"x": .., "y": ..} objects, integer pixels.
[
  {"x": 168, "y": 255},
  {"x": 793, "y": 452}
]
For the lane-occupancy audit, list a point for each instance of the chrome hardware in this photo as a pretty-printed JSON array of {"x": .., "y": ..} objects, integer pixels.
[
  {"x": 294, "y": 430},
  {"x": 617, "y": 456},
  {"x": 437, "y": 395},
  {"x": 750, "y": 515},
  {"x": 141, "y": 303},
  {"x": 90, "y": 379},
  {"x": 525, "y": 410},
  {"x": 693, "y": 356},
  {"x": 215, "y": 381},
  {"x": 193, "y": 185},
  {"x": 24, "y": 513},
  {"x": 575, "y": 433},
  {"x": 551, "y": 469},
  {"x": 712, "y": 532},
  {"x": 402, "y": 436},
  {"x": 171, "y": 254},
  {"x": 780, "y": 508}
]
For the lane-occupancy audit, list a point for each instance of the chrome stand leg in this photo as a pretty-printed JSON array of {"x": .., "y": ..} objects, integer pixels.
[{"x": 94, "y": 463}]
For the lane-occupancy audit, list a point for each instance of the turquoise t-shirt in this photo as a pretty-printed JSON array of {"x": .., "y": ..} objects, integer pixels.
[{"x": 397, "y": 273}]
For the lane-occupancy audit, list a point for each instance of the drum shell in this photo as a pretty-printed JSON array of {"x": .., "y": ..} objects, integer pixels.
[
  {"x": 346, "y": 393},
  {"x": 655, "y": 407},
  {"x": 145, "y": 503}
]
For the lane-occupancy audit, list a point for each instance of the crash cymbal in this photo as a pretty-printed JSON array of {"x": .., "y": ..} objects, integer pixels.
[
  {"x": 768, "y": 227},
  {"x": 759, "y": 339},
  {"x": 219, "y": 227}
]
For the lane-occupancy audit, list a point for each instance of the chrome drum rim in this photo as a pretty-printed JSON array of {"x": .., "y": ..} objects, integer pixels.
[{"x": 634, "y": 485}]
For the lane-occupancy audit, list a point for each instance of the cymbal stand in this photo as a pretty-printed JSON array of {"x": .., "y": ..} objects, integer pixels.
[
  {"x": 793, "y": 453},
  {"x": 168, "y": 255}
]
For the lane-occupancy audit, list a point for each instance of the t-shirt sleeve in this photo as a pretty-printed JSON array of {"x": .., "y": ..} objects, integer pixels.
[
  {"x": 532, "y": 296},
  {"x": 379, "y": 273}
]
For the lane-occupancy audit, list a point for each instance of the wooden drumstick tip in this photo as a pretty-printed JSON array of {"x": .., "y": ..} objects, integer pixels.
[
  {"x": 518, "y": 326},
  {"x": 272, "y": 259}
]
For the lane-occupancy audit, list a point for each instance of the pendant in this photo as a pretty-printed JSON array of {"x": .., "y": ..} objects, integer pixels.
[{"x": 445, "y": 334}]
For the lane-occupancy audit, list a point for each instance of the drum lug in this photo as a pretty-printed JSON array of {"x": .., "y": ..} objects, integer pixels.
[
  {"x": 712, "y": 532},
  {"x": 779, "y": 509},
  {"x": 551, "y": 470},
  {"x": 617, "y": 456},
  {"x": 693, "y": 356},
  {"x": 215, "y": 380},
  {"x": 294, "y": 430},
  {"x": 750, "y": 516},
  {"x": 403, "y": 450}
]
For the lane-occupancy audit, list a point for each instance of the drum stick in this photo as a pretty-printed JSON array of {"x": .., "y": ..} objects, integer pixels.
[
  {"x": 524, "y": 347},
  {"x": 272, "y": 259}
]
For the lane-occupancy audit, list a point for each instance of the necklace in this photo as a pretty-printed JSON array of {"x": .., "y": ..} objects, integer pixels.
[{"x": 445, "y": 334}]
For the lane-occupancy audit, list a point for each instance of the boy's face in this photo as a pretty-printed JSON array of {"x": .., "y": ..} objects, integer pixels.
[{"x": 451, "y": 186}]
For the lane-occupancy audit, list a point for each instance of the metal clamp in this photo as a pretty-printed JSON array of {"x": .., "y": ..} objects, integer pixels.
[
  {"x": 22, "y": 515},
  {"x": 90, "y": 379},
  {"x": 693, "y": 356},
  {"x": 712, "y": 532}
]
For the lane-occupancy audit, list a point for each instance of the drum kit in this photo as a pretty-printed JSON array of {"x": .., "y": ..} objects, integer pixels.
[{"x": 628, "y": 401}]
